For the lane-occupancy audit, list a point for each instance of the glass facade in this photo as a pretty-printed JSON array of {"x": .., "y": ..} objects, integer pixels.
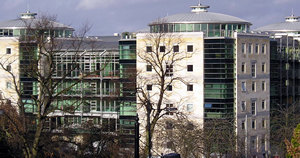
[
  {"x": 209, "y": 30},
  {"x": 218, "y": 78}
]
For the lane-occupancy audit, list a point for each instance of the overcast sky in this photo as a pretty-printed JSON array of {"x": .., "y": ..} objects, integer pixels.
[{"x": 114, "y": 16}]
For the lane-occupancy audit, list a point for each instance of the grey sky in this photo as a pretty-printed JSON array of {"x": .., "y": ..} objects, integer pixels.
[{"x": 110, "y": 16}]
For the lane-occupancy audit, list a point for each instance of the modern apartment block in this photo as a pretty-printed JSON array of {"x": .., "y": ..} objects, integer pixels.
[
  {"x": 97, "y": 59},
  {"x": 228, "y": 72}
]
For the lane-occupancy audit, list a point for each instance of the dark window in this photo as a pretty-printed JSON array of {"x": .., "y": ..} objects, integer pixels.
[
  {"x": 169, "y": 70},
  {"x": 190, "y": 68},
  {"x": 253, "y": 124},
  {"x": 8, "y": 50},
  {"x": 169, "y": 109},
  {"x": 263, "y": 104},
  {"x": 149, "y": 87},
  {"x": 253, "y": 107},
  {"x": 175, "y": 48},
  {"x": 169, "y": 88},
  {"x": 190, "y": 48},
  {"x": 190, "y": 87},
  {"x": 8, "y": 68},
  {"x": 162, "y": 48},
  {"x": 243, "y": 67},
  {"x": 243, "y": 125},
  {"x": 149, "y": 68},
  {"x": 149, "y": 49}
]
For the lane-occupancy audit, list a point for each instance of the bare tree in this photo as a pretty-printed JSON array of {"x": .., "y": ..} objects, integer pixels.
[
  {"x": 283, "y": 121},
  {"x": 191, "y": 140},
  {"x": 39, "y": 46},
  {"x": 159, "y": 54}
]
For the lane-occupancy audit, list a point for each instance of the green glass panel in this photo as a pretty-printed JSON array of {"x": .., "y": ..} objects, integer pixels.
[
  {"x": 182, "y": 27},
  {"x": 189, "y": 27},
  {"x": 177, "y": 27}
]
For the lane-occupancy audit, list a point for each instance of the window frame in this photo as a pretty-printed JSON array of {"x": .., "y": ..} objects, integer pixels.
[
  {"x": 8, "y": 50},
  {"x": 190, "y": 68}
]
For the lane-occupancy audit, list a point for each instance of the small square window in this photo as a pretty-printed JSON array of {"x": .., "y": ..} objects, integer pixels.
[
  {"x": 176, "y": 48},
  {"x": 8, "y": 50},
  {"x": 189, "y": 107},
  {"x": 149, "y": 87},
  {"x": 149, "y": 68},
  {"x": 169, "y": 87},
  {"x": 190, "y": 68},
  {"x": 149, "y": 49},
  {"x": 190, "y": 87},
  {"x": 8, "y": 68},
  {"x": 190, "y": 48},
  {"x": 162, "y": 48}
]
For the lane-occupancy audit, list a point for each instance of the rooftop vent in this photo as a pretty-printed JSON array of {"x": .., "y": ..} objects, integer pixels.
[
  {"x": 28, "y": 15},
  {"x": 199, "y": 8},
  {"x": 292, "y": 18}
]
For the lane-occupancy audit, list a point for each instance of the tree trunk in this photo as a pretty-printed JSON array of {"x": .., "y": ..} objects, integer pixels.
[{"x": 36, "y": 141}]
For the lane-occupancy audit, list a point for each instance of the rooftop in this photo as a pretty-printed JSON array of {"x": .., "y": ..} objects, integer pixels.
[{"x": 291, "y": 24}]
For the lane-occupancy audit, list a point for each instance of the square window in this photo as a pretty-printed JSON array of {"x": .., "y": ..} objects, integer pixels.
[
  {"x": 190, "y": 68},
  {"x": 149, "y": 68},
  {"x": 176, "y": 48},
  {"x": 190, "y": 87},
  {"x": 190, "y": 48},
  {"x": 189, "y": 107},
  {"x": 8, "y": 50},
  {"x": 169, "y": 109},
  {"x": 149, "y": 87},
  {"x": 8, "y": 68},
  {"x": 243, "y": 106},
  {"x": 162, "y": 48},
  {"x": 169, "y": 88},
  {"x": 149, "y": 49}
]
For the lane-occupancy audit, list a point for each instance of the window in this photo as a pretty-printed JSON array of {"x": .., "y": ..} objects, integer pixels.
[
  {"x": 243, "y": 67},
  {"x": 263, "y": 106},
  {"x": 190, "y": 48},
  {"x": 253, "y": 69},
  {"x": 263, "y": 67},
  {"x": 8, "y": 50},
  {"x": 189, "y": 107},
  {"x": 8, "y": 85},
  {"x": 169, "y": 87},
  {"x": 149, "y": 87},
  {"x": 263, "y": 123},
  {"x": 263, "y": 85},
  {"x": 176, "y": 48},
  {"x": 263, "y": 48},
  {"x": 243, "y": 124},
  {"x": 162, "y": 48},
  {"x": 250, "y": 48},
  {"x": 263, "y": 143},
  {"x": 253, "y": 86},
  {"x": 169, "y": 109},
  {"x": 190, "y": 87},
  {"x": 149, "y": 68},
  {"x": 149, "y": 49},
  {"x": 256, "y": 48},
  {"x": 243, "y": 48},
  {"x": 253, "y": 141},
  {"x": 253, "y": 124},
  {"x": 8, "y": 67},
  {"x": 243, "y": 106},
  {"x": 190, "y": 68},
  {"x": 169, "y": 70},
  {"x": 244, "y": 87},
  {"x": 253, "y": 107}
]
